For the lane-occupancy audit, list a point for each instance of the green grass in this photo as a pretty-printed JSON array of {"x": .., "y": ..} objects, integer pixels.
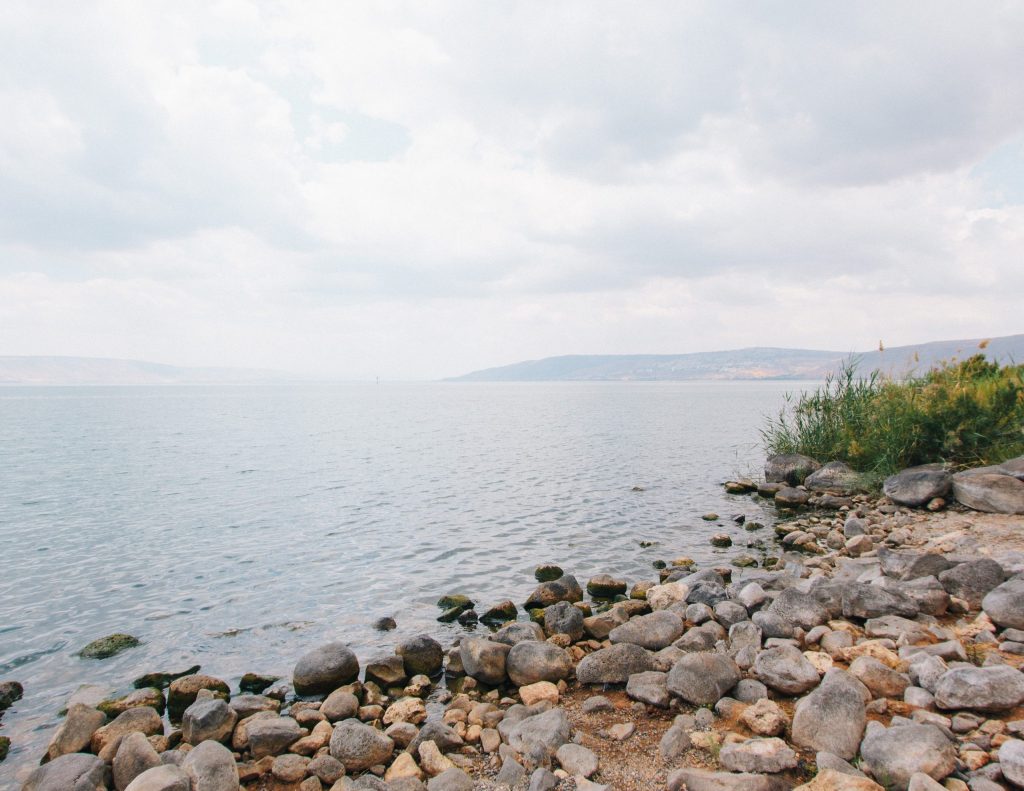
[{"x": 964, "y": 414}]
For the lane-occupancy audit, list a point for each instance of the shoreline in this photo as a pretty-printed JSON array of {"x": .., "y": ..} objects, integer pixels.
[{"x": 847, "y": 613}]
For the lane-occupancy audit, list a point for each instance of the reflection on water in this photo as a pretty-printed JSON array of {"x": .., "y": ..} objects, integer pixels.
[{"x": 236, "y": 527}]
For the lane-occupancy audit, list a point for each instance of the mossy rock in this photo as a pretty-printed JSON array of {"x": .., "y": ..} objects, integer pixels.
[
  {"x": 770, "y": 562},
  {"x": 744, "y": 562},
  {"x": 548, "y": 572},
  {"x": 584, "y": 608},
  {"x": 710, "y": 517},
  {"x": 5, "y": 747},
  {"x": 162, "y": 680},
  {"x": 683, "y": 562},
  {"x": 500, "y": 613},
  {"x": 453, "y": 600},
  {"x": 753, "y": 526},
  {"x": 254, "y": 683},
  {"x": 721, "y": 540},
  {"x": 152, "y": 697},
  {"x": 109, "y": 646},
  {"x": 537, "y": 615},
  {"x": 10, "y": 691},
  {"x": 455, "y": 613},
  {"x": 659, "y": 564}
]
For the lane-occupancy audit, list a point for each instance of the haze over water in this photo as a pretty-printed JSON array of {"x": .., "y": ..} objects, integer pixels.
[{"x": 237, "y": 527}]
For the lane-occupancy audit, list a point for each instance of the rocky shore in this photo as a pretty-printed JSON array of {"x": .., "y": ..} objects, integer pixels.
[{"x": 871, "y": 642}]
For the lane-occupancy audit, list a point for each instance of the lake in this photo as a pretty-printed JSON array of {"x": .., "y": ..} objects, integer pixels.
[{"x": 238, "y": 527}]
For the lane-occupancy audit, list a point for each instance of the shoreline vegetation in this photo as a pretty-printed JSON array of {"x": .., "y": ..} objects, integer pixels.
[{"x": 871, "y": 639}]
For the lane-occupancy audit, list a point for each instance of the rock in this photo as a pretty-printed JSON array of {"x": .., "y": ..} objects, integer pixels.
[
  {"x": 408, "y": 709},
  {"x": 543, "y": 780},
  {"x": 908, "y": 565},
  {"x": 996, "y": 494},
  {"x": 484, "y": 659},
  {"x": 511, "y": 775},
  {"x": 836, "y": 477},
  {"x": 674, "y": 743},
  {"x": 832, "y": 717},
  {"x": 71, "y": 772},
  {"x": 208, "y": 719},
  {"x": 995, "y": 688},
  {"x": 166, "y": 777},
  {"x": 386, "y": 671},
  {"x": 359, "y": 746},
  {"x": 785, "y": 669},
  {"x": 1011, "y": 761},
  {"x": 892, "y": 755},
  {"x": 596, "y": 703},
  {"x": 563, "y": 618},
  {"x": 183, "y": 691},
  {"x": 883, "y": 681},
  {"x": 151, "y": 697},
  {"x": 548, "y": 572},
  {"x": 537, "y": 692},
  {"x": 788, "y": 497},
  {"x": 327, "y": 768},
  {"x": 703, "y": 678},
  {"x": 109, "y": 646},
  {"x": 798, "y": 608},
  {"x": 721, "y": 540},
  {"x": 453, "y": 779},
  {"x": 661, "y": 597},
  {"x": 500, "y": 613},
  {"x": 893, "y": 627},
  {"x": 340, "y": 705},
  {"x": 143, "y": 720},
  {"x": 565, "y": 588},
  {"x": 613, "y": 665},
  {"x": 440, "y": 734},
  {"x": 272, "y": 736},
  {"x": 577, "y": 760},
  {"x": 915, "y": 486},
  {"x": 421, "y": 654},
  {"x": 872, "y": 601},
  {"x": 75, "y": 733},
  {"x": 649, "y": 687},
  {"x": 135, "y": 755},
  {"x": 289, "y": 768},
  {"x": 539, "y": 737},
  {"x": 972, "y": 580},
  {"x": 654, "y": 632},
  {"x": 706, "y": 780},
  {"x": 324, "y": 669},
  {"x": 765, "y": 718},
  {"x": 757, "y": 755},
  {"x": 791, "y": 468},
  {"x": 211, "y": 767},
  {"x": 831, "y": 780},
  {"x": 605, "y": 586},
  {"x": 1004, "y": 604},
  {"x": 517, "y": 632},
  {"x": 529, "y": 662}
]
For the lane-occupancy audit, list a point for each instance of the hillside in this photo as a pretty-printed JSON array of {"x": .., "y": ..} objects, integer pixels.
[{"x": 753, "y": 363}]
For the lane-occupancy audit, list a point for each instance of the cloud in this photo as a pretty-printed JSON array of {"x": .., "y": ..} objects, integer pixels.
[{"x": 412, "y": 190}]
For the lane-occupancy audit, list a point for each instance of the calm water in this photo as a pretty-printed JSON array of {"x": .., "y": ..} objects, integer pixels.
[{"x": 236, "y": 527}]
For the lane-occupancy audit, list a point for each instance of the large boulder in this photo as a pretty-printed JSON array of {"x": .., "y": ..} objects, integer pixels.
[
  {"x": 565, "y": 588},
  {"x": 75, "y": 733},
  {"x": 703, "y": 678},
  {"x": 655, "y": 631},
  {"x": 785, "y": 669},
  {"x": 613, "y": 665},
  {"x": 1011, "y": 761},
  {"x": 687, "y": 779},
  {"x": 166, "y": 777},
  {"x": 910, "y": 565},
  {"x": 530, "y": 661},
  {"x": 972, "y": 580},
  {"x": 142, "y": 720},
  {"x": 324, "y": 669},
  {"x": 359, "y": 746},
  {"x": 892, "y": 755},
  {"x": 421, "y": 655},
  {"x": 916, "y": 486},
  {"x": 862, "y": 600},
  {"x": 882, "y": 680},
  {"x": 211, "y": 767},
  {"x": 992, "y": 493},
  {"x": 484, "y": 659},
  {"x": 837, "y": 477},
  {"x": 799, "y": 608},
  {"x": 758, "y": 755},
  {"x": 135, "y": 755},
  {"x": 791, "y": 468},
  {"x": 1004, "y": 604},
  {"x": 995, "y": 688},
  {"x": 71, "y": 772},
  {"x": 833, "y": 716}
]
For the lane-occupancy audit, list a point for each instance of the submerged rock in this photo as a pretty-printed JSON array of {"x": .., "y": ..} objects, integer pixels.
[{"x": 109, "y": 646}]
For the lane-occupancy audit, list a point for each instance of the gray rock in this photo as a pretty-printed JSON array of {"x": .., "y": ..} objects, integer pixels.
[
  {"x": 791, "y": 468},
  {"x": 613, "y": 665},
  {"x": 696, "y": 640},
  {"x": 826, "y": 760},
  {"x": 271, "y": 736},
  {"x": 836, "y": 477},
  {"x": 832, "y": 717},
  {"x": 674, "y": 743},
  {"x": 892, "y": 755},
  {"x": 208, "y": 719},
  {"x": 752, "y": 596},
  {"x": 1004, "y": 604},
  {"x": 134, "y": 756},
  {"x": 565, "y": 588},
  {"x": 529, "y": 662},
  {"x": 745, "y": 634},
  {"x": 517, "y": 632},
  {"x": 421, "y": 655},
  {"x": 996, "y": 688},
  {"x": 359, "y": 746},
  {"x": 883, "y": 681},
  {"x": 706, "y": 780},
  {"x": 650, "y": 687},
  {"x": 324, "y": 669},
  {"x": 577, "y": 760},
  {"x": 893, "y": 627},
  {"x": 453, "y": 779},
  {"x": 926, "y": 593},
  {"x": 926, "y": 670},
  {"x": 543, "y": 780},
  {"x": 1011, "y": 761},
  {"x": 211, "y": 767},
  {"x": 785, "y": 669},
  {"x": 511, "y": 774},
  {"x": 996, "y": 494},
  {"x": 729, "y": 613},
  {"x": 917, "y": 486},
  {"x": 873, "y": 601},
  {"x": 707, "y": 592},
  {"x": 75, "y": 733},
  {"x": 757, "y": 755},
  {"x": 749, "y": 690},
  {"x": 340, "y": 705},
  {"x": 165, "y": 777},
  {"x": 440, "y": 734},
  {"x": 596, "y": 703},
  {"x": 327, "y": 768},
  {"x": 698, "y": 613},
  {"x": 919, "y": 781},
  {"x": 972, "y": 580},
  {"x": 909, "y": 565},
  {"x": 71, "y": 772},
  {"x": 799, "y": 609},
  {"x": 654, "y": 632},
  {"x": 539, "y": 737},
  {"x": 484, "y": 659},
  {"x": 247, "y": 705},
  {"x": 703, "y": 678},
  {"x": 564, "y": 618}
]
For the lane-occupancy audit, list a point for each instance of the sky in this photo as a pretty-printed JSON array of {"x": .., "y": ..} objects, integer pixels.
[{"x": 416, "y": 190}]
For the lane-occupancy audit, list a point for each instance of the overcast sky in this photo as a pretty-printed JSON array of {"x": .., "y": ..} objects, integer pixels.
[{"x": 414, "y": 190}]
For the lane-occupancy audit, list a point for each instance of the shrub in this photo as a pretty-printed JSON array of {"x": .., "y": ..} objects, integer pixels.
[{"x": 961, "y": 413}]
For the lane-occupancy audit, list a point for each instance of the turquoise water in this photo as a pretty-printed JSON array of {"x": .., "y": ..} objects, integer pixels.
[{"x": 236, "y": 527}]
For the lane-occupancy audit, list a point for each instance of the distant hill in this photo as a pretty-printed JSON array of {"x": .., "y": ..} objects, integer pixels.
[
  {"x": 754, "y": 363},
  {"x": 100, "y": 371}
]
